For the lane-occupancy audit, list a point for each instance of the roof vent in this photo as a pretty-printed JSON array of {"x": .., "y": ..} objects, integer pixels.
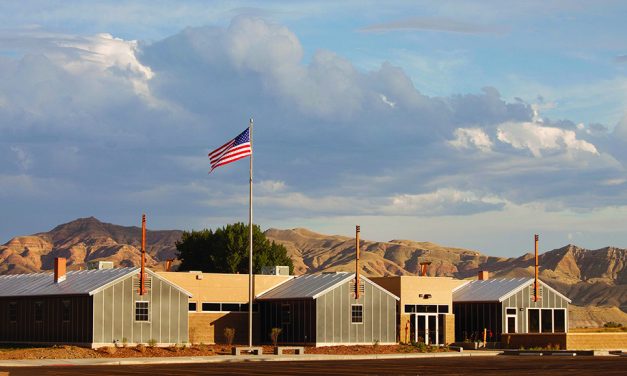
[
  {"x": 99, "y": 265},
  {"x": 275, "y": 270},
  {"x": 483, "y": 275}
]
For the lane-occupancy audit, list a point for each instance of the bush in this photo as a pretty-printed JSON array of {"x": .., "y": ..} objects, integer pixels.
[
  {"x": 111, "y": 350},
  {"x": 229, "y": 335},
  {"x": 152, "y": 342},
  {"x": 274, "y": 335},
  {"x": 124, "y": 342}
]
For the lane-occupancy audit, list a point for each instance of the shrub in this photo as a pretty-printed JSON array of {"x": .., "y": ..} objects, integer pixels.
[
  {"x": 124, "y": 342},
  {"x": 274, "y": 335},
  {"x": 229, "y": 335},
  {"x": 375, "y": 344},
  {"x": 152, "y": 342},
  {"x": 111, "y": 350}
]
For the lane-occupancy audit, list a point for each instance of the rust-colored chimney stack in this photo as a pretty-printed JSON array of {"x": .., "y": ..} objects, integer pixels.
[
  {"x": 536, "y": 296},
  {"x": 142, "y": 275},
  {"x": 59, "y": 269},
  {"x": 168, "y": 264},
  {"x": 424, "y": 267},
  {"x": 357, "y": 231},
  {"x": 483, "y": 275}
]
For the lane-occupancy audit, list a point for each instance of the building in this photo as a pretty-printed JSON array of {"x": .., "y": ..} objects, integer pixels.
[
  {"x": 425, "y": 312},
  {"x": 221, "y": 301},
  {"x": 91, "y": 308},
  {"x": 507, "y": 306},
  {"x": 323, "y": 309}
]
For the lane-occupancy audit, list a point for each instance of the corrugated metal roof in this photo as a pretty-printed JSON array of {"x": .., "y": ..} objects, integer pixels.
[
  {"x": 311, "y": 286},
  {"x": 490, "y": 290},
  {"x": 76, "y": 283}
]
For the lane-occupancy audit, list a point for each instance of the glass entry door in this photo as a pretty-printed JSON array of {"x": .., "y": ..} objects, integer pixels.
[{"x": 427, "y": 330}]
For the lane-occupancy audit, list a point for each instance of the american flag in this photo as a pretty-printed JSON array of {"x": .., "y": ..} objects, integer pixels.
[{"x": 234, "y": 150}]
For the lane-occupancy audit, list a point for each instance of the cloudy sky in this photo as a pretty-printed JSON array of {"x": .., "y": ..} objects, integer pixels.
[{"x": 471, "y": 124}]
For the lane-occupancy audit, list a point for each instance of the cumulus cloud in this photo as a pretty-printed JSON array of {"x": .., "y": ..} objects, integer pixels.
[
  {"x": 466, "y": 138},
  {"x": 538, "y": 138},
  {"x": 129, "y": 125}
]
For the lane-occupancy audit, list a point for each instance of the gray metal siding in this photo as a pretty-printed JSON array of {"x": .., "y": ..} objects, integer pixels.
[
  {"x": 522, "y": 299},
  {"x": 333, "y": 324},
  {"x": 114, "y": 313}
]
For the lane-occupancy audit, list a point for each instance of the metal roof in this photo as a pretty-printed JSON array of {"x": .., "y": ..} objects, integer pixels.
[
  {"x": 490, "y": 290},
  {"x": 76, "y": 283},
  {"x": 312, "y": 286}
]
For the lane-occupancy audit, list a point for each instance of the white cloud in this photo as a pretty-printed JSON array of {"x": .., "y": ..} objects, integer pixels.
[
  {"x": 537, "y": 138},
  {"x": 466, "y": 138},
  {"x": 270, "y": 186},
  {"x": 385, "y": 100},
  {"x": 443, "y": 201}
]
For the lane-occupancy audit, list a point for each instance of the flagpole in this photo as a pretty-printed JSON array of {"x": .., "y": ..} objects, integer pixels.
[{"x": 250, "y": 242}]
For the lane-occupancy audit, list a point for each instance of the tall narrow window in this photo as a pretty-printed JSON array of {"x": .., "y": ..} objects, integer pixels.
[
  {"x": 66, "y": 310},
  {"x": 12, "y": 312},
  {"x": 559, "y": 321},
  {"x": 286, "y": 313},
  {"x": 533, "y": 321},
  {"x": 141, "y": 311},
  {"x": 357, "y": 313},
  {"x": 39, "y": 311},
  {"x": 547, "y": 321}
]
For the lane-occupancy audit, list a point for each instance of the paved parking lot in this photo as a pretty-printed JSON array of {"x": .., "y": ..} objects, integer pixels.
[{"x": 496, "y": 365}]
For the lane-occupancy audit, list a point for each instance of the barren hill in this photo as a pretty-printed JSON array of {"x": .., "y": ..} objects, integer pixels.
[{"x": 84, "y": 240}]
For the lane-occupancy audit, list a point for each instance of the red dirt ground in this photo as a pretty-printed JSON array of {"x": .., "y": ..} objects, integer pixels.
[{"x": 73, "y": 352}]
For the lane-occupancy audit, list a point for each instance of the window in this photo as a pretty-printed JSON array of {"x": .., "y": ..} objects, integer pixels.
[
  {"x": 533, "y": 321},
  {"x": 230, "y": 307},
  {"x": 410, "y": 308},
  {"x": 286, "y": 313},
  {"x": 141, "y": 311},
  {"x": 66, "y": 310},
  {"x": 559, "y": 321},
  {"x": 39, "y": 311},
  {"x": 357, "y": 313},
  {"x": 192, "y": 307},
  {"x": 511, "y": 320},
  {"x": 12, "y": 312},
  {"x": 443, "y": 309},
  {"x": 211, "y": 307},
  {"x": 547, "y": 321}
]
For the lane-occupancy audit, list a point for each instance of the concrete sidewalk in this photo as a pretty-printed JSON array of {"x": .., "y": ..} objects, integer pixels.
[{"x": 228, "y": 359}]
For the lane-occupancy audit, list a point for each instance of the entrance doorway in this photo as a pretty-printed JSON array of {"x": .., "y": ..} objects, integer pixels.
[{"x": 426, "y": 328}]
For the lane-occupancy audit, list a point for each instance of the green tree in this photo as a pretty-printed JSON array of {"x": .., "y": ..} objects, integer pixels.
[{"x": 225, "y": 250}]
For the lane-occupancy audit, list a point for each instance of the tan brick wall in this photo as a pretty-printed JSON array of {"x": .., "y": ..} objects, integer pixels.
[
  {"x": 527, "y": 340},
  {"x": 597, "y": 341},
  {"x": 209, "y": 327},
  {"x": 449, "y": 327}
]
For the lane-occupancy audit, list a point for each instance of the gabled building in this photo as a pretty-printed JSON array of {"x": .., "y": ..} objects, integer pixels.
[
  {"x": 323, "y": 309},
  {"x": 91, "y": 308},
  {"x": 507, "y": 306}
]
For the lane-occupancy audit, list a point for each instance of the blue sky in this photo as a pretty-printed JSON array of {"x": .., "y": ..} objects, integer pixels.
[{"x": 471, "y": 124}]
